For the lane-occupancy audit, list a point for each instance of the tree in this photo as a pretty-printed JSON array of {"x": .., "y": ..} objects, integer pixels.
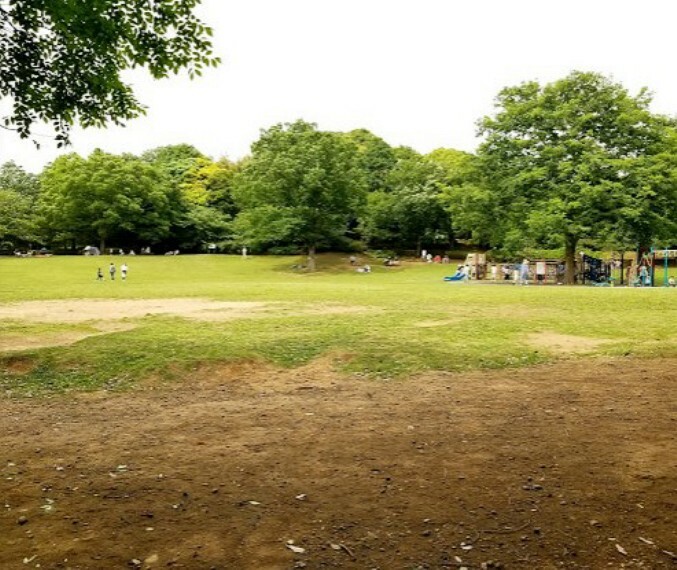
[
  {"x": 465, "y": 194},
  {"x": 61, "y": 61},
  {"x": 106, "y": 197},
  {"x": 647, "y": 209},
  {"x": 557, "y": 159},
  {"x": 18, "y": 194},
  {"x": 300, "y": 187},
  {"x": 408, "y": 212},
  {"x": 15, "y": 178},
  {"x": 174, "y": 159},
  {"x": 204, "y": 186},
  {"x": 208, "y": 207},
  {"x": 374, "y": 156},
  {"x": 218, "y": 179}
]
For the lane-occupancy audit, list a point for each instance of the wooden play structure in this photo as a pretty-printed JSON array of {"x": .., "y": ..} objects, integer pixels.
[{"x": 477, "y": 264}]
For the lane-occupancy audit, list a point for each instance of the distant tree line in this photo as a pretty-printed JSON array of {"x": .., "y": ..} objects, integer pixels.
[{"x": 575, "y": 163}]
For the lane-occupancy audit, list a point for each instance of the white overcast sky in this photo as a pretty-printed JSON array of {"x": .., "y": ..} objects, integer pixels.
[{"x": 415, "y": 72}]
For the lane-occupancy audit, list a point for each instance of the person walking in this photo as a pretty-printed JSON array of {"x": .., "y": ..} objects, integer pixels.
[
  {"x": 524, "y": 272},
  {"x": 111, "y": 271}
]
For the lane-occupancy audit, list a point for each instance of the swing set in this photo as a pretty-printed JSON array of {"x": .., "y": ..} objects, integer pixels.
[{"x": 666, "y": 255}]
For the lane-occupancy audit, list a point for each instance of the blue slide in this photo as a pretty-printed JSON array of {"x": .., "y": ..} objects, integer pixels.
[{"x": 458, "y": 276}]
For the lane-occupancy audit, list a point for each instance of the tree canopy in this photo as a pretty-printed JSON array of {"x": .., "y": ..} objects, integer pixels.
[
  {"x": 105, "y": 197},
  {"x": 577, "y": 164},
  {"x": 300, "y": 187},
  {"x": 408, "y": 212},
  {"x": 61, "y": 61},
  {"x": 559, "y": 159},
  {"x": 16, "y": 221},
  {"x": 18, "y": 195}
]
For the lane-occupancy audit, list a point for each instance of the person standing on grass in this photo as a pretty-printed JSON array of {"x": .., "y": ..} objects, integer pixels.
[
  {"x": 524, "y": 272},
  {"x": 111, "y": 270},
  {"x": 123, "y": 271},
  {"x": 99, "y": 274}
]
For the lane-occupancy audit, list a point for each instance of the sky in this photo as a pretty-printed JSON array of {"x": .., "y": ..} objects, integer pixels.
[{"x": 418, "y": 73}]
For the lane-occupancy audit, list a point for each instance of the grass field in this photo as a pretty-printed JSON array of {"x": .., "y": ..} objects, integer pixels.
[{"x": 390, "y": 323}]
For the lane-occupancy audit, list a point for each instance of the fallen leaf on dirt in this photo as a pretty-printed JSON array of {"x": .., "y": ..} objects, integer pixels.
[{"x": 621, "y": 550}]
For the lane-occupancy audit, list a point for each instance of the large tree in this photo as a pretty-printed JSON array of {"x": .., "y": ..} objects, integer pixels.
[
  {"x": 300, "y": 187},
  {"x": 206, "y": 205},
  {"x": 18, "y": 194},
  {"x": 408, "y": 212},
  {"x": 558, "y": 157},
  {"x": 107, "y": 198},
  {"x": 61, "y": 60}
]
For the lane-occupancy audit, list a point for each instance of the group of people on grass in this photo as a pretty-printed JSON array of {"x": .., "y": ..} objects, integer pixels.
[
  {"x": 112, "y": 270},
  {"x": 366, "y": 268},
  {"x": 430, "y": 258}
]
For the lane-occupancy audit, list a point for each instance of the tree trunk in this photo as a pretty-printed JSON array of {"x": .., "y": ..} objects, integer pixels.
[
  {"x": 570, "y": 259},
  {"x": 311, "y": 258},
  {"x": 102, "y": 245}
]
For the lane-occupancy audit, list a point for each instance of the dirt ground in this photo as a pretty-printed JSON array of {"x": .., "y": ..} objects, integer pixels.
[{"x": 568, "y": 465}]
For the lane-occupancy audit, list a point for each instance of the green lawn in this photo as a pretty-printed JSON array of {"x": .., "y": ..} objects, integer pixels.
[{"x": 392, "y": 322}]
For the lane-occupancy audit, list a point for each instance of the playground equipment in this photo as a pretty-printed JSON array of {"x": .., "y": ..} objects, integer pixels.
[
  {"x": 594, "y": 270},
  {"x": 460, "y": 275},
  {"x": 548, "y": 271},
  {"x": 477, "y": 264},
  {"x": 666, "y": 255}
]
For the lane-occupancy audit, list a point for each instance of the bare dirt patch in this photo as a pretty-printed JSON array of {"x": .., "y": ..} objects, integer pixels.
[
  {"x": 19, "y": 366},
  {"x": 104, "y": 316},
  {"x": 84, "y": 310},
  {"x": 565, "y": 343},
  {"x": 568, "y": 465},
  {"x": 19, "y": 342}
]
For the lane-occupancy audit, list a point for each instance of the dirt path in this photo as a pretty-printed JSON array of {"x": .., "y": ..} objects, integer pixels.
[{"x": 570, "y": 465}]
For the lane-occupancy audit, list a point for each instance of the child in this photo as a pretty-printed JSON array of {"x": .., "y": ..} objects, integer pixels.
[{"x": 99, "y": 274}]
